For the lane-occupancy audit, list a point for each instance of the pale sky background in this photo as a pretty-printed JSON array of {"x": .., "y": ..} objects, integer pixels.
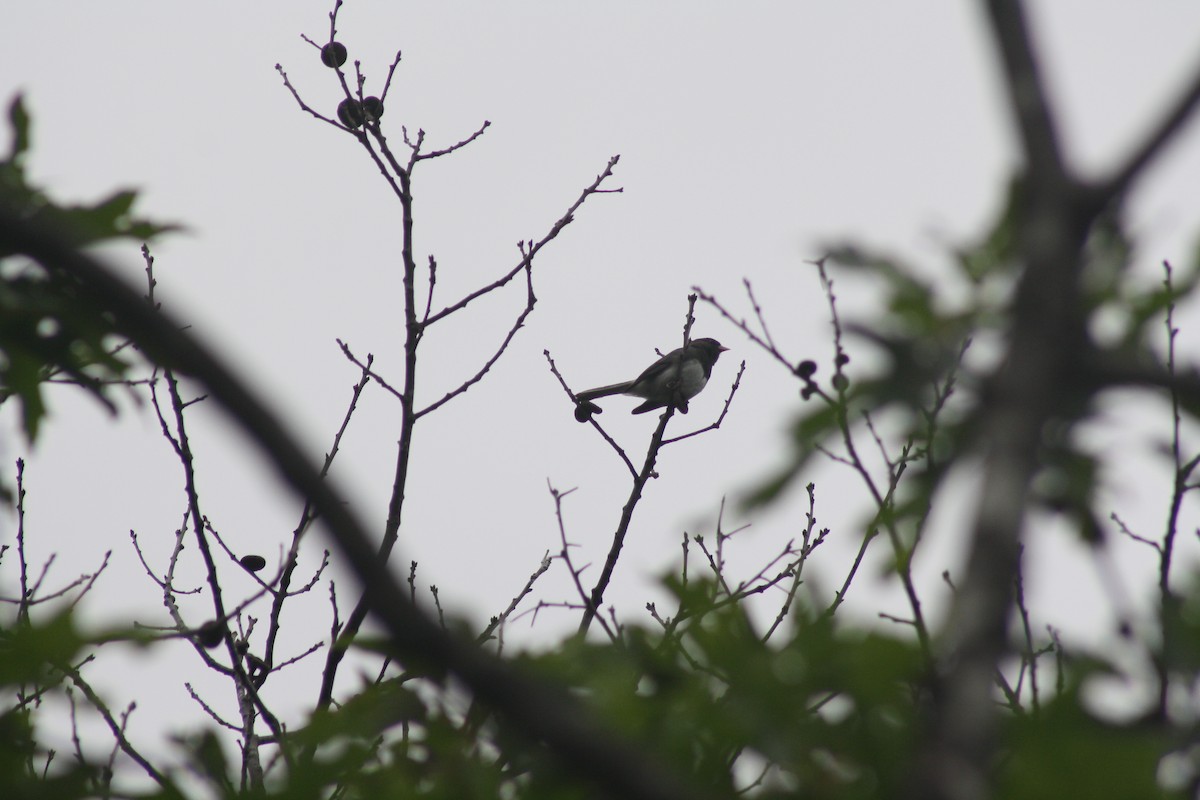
[{"x": 751, "y": 135}]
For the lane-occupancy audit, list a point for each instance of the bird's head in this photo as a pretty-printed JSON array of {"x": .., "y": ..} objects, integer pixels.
[{"x": 711, "y": 348}]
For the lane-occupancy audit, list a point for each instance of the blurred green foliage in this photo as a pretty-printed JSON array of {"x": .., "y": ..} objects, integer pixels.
[
  {"x": 30, "y": 661},
  {"x": 48, "y": 327}
]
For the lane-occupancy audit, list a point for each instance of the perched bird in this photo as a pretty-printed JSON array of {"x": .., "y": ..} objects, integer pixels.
[{"x": 671, "y": 381}]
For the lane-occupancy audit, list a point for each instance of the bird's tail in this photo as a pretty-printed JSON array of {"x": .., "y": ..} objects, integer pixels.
[{"x": 604, "y": 391}]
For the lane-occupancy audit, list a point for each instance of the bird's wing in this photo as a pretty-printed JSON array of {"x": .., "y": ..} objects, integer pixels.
[{"x": 656, "y": 370}]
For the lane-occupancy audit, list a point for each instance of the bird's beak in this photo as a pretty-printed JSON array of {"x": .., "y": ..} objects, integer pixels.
[{"x": 723, "y": 350}]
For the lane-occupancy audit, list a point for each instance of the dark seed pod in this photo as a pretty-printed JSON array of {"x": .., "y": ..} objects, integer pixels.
[
  {"x": 585, "y": 409},
  {"x": 805, "y": 369},
  {"x": 842, "y": 359},
  {"x": 333, "y": 55},
  {"x": 253, "y": 563},
  {"x": 350, "y": 113},
  {"x": 372, "y": 108},
  {"x": 839, "y": 382},
  {"x": 210, "y": 634}
]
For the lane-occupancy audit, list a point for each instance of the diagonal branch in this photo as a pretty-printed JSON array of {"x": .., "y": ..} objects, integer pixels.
[
  {"x": 1026, "y": 91},
  {"x": 620, "y": 451},
  {"x": 1118, "y": 184},
  {"x": 635, "y": 494},
  {"x": 306, "y": 518},
  {"x": 518, "y": 323},
  {"x": 116, "y": 728},
  {"x": 712, "y": 426},
  {"x": 445, "y": 151},
  {"x": 527, "y": 258}
]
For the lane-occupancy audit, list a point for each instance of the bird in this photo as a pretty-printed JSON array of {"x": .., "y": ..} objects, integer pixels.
[{"x": 673, "y": 380}]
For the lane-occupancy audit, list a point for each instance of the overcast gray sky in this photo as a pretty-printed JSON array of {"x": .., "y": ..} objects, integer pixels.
[{"x": 751, "y": 135}]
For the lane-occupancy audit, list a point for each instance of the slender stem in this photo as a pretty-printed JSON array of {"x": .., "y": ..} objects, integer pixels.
[{"x": 635, "y": 494}]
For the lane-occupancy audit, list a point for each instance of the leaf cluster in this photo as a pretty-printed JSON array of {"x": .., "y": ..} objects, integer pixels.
[{"x": 49, "y": 328}]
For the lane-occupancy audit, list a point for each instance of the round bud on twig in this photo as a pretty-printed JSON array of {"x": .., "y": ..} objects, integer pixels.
[
  {"x": 210, "y": 634},
  {"x": 372, "y": 108},
  {"x": 333, "y": 55},
  {"x": 350, "y": 113},
  {"x": 252, "y": 563}
]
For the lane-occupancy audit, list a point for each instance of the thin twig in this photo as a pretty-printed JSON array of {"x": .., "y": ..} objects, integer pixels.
[
  {"x": 620, "y": 451},
  {"x": 618, "y": 542},
  {"x": 118, "y": 730},
  {"x": 527, "y": 256},
  {"x": 499, "y": 620},
  {"x": 565, "y": 555}
]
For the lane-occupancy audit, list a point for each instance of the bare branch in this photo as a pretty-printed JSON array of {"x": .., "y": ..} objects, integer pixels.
[
  {"x": 368, "y": 371},
  {"x": 737, "y": 382},
  {"x": 1026, "y": 92},
  {"x": 742, "y": 325},
  {"x": 456, "y": 146},
  {"x": 807, "y": 546},
  {"x": 1124, "y": 175},
  {"x": 500, "y": 619},
  {"x": 620, "y": 451},
  {"x": 528, "y": 256},
  {"x": 387, "y": 84},
  {"x": 565, "y": 555},
  {"x": 618, "y": 542},
  {"x": 308, "y": 109},
  {"x": 530, "y": 301},
  {"x": 118, "y": 730}
]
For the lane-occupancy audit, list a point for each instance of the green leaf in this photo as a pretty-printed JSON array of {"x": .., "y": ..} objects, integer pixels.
[
  {"x": 208, "y": 760},
  {"x": 30, "y": 652},
  {"x": 996, "y": 254},
  {"x": 49, "y": 327},
  {"x": 18, "y": 118},
  {"x": 1064, "y": 752}
]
